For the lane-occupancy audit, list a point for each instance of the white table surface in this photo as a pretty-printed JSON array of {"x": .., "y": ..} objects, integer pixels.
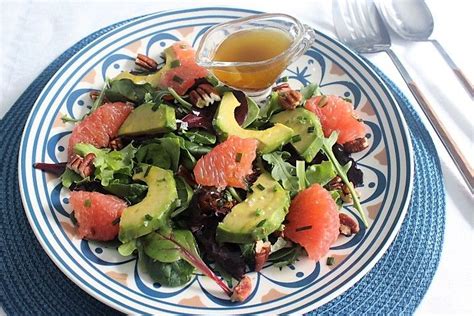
[{"x": 34, "y": 33}]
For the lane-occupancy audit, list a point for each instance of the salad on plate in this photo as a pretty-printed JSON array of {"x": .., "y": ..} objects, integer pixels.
[{"x": 192, "y": 176}]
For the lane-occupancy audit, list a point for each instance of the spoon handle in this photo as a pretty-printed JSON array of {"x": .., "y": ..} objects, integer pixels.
[
  {"x": 453, "y": 150},
  {"x": 462, "y": 77}
]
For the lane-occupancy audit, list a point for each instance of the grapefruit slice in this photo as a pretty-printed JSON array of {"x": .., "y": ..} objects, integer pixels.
[
  {"x": 313, "y": 221},
  {"x": 100, "y": 127},
  {"x": 97, "y": 214},
  {"x": 227, "y": 164},
  {"x": 337, "y": 115},
  {"x": 181, "y": 72}
]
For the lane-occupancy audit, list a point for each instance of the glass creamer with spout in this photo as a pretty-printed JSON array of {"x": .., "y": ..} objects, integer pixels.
[{"x": 250, "y": 53}]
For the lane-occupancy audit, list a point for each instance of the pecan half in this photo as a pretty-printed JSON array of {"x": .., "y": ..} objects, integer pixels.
[
  {"x": 348, "y": 226},
  {"x": 204, "y": 95},
  {"x": 356, "y": 145},
  {"x": 116, "y": 144},
  {"x": 82, "y": 166},
  {"x": 288, "y": 98},
  {"x": 335, "y": 184},
  {"x": 146, "y": 62},
  {"x": 262, "y": 251},
  {"x": 242, "y": 290}
]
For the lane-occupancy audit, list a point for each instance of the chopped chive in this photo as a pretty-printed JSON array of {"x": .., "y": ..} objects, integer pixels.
[
  {"x": 73, "y": 218},
  {"x": 177, "y": 79},
  {"x": 148, "y": 217},
  {"x": 347, "y": 100},
  {"x": 238, "y": 157},
  {"x": 275, "y": 188},
  {"x": 330, "y": 261},
  {"x": 147, "y": 171},
  {"x": 260, "y": 187},
  {"x": 295, "y": 139},
  {"x": 310, "y": 129},
  {"x": 258, "y": 212},
  {"x": 155, "y": 107},
  {"x": 299, "y": 229},
  {"x": 261, "y": 223},
  {"x": 175, "y": 63},
  {"x": 284, "y": 79},
  {"x": 116, "y": 221},
  {"x": 87, "y": 203}
]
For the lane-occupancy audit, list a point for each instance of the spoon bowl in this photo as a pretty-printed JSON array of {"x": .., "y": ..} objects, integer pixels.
[{"x": 410, "y": 19}]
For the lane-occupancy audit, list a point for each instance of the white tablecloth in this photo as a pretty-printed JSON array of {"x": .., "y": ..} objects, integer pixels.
[{"x": 34, "y": 33}]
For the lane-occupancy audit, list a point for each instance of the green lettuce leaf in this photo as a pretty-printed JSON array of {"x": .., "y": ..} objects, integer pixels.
[{"x": 109, "y": 163}]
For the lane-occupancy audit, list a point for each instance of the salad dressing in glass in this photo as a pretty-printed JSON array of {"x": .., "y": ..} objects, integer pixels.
[{"x": 252, "y": 45}]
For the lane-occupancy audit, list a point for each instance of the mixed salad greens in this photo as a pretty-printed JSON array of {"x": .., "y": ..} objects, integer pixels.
[{"x": 167, "y": 150}]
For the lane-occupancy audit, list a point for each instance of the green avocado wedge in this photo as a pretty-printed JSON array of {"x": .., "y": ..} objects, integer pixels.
[
  {"x": 308, "y": 136},
  {"x": 154, "y": 210},
  {"x": 149, "y": 119},
  {"x": 259, "y": 215},
  {"x": 226, "y": 125}
]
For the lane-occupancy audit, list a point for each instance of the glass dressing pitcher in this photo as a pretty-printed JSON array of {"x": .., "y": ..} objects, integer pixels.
[{"x": 239, "y": 44}]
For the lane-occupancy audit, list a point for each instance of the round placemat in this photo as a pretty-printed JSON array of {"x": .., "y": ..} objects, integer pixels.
[{"x": 31, "y": 283}]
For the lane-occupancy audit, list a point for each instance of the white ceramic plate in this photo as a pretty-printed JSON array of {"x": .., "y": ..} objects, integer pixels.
[{"x": 118, "y": 281}]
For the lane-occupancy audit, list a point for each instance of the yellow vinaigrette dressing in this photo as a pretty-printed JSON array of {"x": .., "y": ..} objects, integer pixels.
[{"x": 252, "y": 46}]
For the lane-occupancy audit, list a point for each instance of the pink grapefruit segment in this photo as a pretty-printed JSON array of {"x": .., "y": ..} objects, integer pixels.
[
  {"x": 100, "y": 127},
  {"x": 313, "y": 221},
  {"x": 97, "y": 214},
  {"x": 184, "y": 70},
  {"x": 337, "y": 115},
  {"x": 227, "y": 164}
]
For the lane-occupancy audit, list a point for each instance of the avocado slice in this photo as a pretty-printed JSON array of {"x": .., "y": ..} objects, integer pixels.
[
  {"x": 147, "y": 119},
  {"x": 226, "y": 125},
  {"x": 154, "y": 78},
  {"x": 154, "y": 210},
  {"x": 259, "y": 215},
  {"x": 307, "y": 126}
]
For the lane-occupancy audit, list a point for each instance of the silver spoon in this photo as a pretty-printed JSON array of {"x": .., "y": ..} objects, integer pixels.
[
  {"x": 359, "y": 25},
  {"x": 412, "y": 20}
]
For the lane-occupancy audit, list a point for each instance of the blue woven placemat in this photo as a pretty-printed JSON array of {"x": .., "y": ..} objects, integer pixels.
[{"x": 30, "y": 283}]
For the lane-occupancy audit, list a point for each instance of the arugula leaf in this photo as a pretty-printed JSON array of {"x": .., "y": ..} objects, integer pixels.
[
  {"x": 185, "y": 194},
  {"x": 187, "y": 158},
  {"x": 253, "y": 111},
  {"x": 248, "y": 252},
  {"x": 126, "y": 90},
  {"x": 286, "y": 256},
  {"x": 271, "y": 107},
  {"x": 185, "y": 104},
  {"x": 309, "y": 91},
  {"x": 321, "y": 173},
  {"x": 155, "y": 97},
  {"x": 283, "y": 171},
  {"x": 163, "y": 152},
  {"x": 100, "y": 99},
  {"x": 200, "y": 137},
  {"x": 108, "y": 163},
  {"x": 341, "y": 171},
  {"x": 301, "y": 175}
]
